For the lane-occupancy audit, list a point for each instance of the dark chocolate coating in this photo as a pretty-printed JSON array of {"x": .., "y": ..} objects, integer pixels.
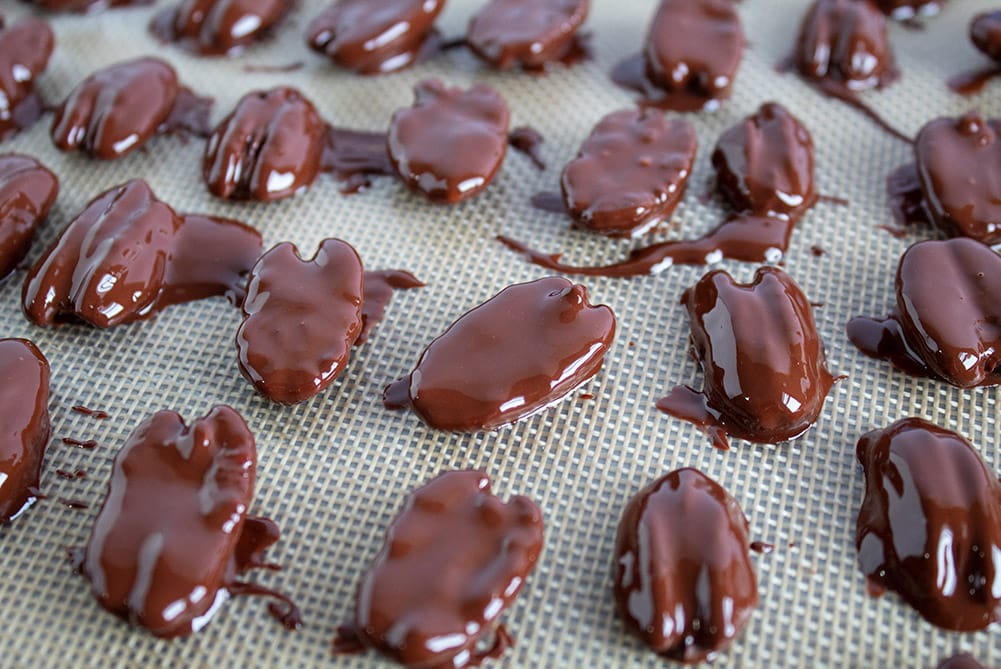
[
  {"x": 379, "y": 288},
  {"x": 905, "y": 9},
  {"x": 218, "y": 27},
  {"x": 961, "y": 661},
  {"x": 694, "y": 47},
  {"x": 683, "y": 577},
  {"x": 985, "y": 33},
  {"x": 128, "y": 255},
  {"x": 451, "y": 143},
  {"x": 27, "y": 191},
  {"x": 374, "y": 36},
  {"x": 453, "y": 560},
  {"x": 630, "y": 173},
  {"x": 269, "y": 147},
  {"x": 161, "y": 551},
  {"x": 509, "y": 358},
  {"x": 529, "y": 33},
  {"x": 24, "y": 423},
  {"x": 25, "y": 49},
  {"x": 764, "y": 365},
  {"x": 959, "y": 168},
  {"x": 117, "y": 109},
  {"x": 947, "y": 323},
  {"x": 845, "y": 42},
  {"x": 300, "y": 319},
  {"x": 929, "y": 526},
  {"x": 80, "y": 6}
]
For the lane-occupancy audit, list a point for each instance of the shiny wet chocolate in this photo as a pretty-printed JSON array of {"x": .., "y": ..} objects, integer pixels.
[
  {"x": 24, "y": 415},
  {"x": 509, "y": 358},
  {"x": 379, "y": 288},
  {"x": 765, "y": 370},
  {"x": 218, "y": 27},
  {"x": 947, "y": 321},
  {"x": 450, "y": 144},
  {"x": 25, "y": 49},
  {"x": 128, "y": 255},
  {"x": 117, "y": 109},
  {"x": 300, "y": 319},
  {"x": 683, "y": 578},
  {"x": 630, "y": 173},
  {"x": 376, "y": 36},
  {"x": 906, "y": 9},
  {"x": 961, "y": 661},
  {"x": 269, "y": 147},
  {"x": 172, "y": 532},
  {"x": 529, "y": 33},
  {"x": 453, "y": 561},
  {"x": 764, "y": 171},
  {"x": 27, "y": 191},
  {"x": 690, "y": 59},
  {"x": 929, "y": 527}
]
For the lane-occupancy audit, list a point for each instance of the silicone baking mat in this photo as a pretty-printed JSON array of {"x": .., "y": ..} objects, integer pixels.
[{"x": 333, "y": 471}]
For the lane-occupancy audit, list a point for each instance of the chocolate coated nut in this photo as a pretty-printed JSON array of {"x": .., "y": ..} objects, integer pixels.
[
  {"x": 117, "y": 109},
  {"x": 985, "y": 33},
  {"x": 27, "y": 191},
  {"x": 683, "y": 576},
  {"x": 163, "y": 547},
  {"x": 529, "y": 33},
  {"x": 24, "y": 414},
  {"x": 947, "y": 323},
  {"x": 451, "y": 143},
  {"x": 930, "y": 524},
  {"x": 631, "y": 172},
  {"x": 844, "y": 41},
  {"x": 374, "y": 36},
  {"x": 268, "y": 148},
  {"x": 765, "y": 371},
  {"x": 514, "y": 355},
  {"x": 128, "y": 255},
  {"x": 218, "y": 27},
  {"x": 453, "y": 560},
  {"x": 25, "y": 49},
  {"x": 301, "y": 318}
]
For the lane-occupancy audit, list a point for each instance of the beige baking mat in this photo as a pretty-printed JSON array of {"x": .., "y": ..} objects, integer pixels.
[{"x": 333, "y": 471}]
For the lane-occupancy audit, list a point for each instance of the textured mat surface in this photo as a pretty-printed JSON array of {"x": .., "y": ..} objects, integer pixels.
[{"x": 333, "y": 471}]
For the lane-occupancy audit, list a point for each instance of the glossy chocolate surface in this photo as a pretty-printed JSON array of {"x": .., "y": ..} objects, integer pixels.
[
  {"x": 929, "y": 526},
  {"x": 947, "y": 321},
  {"x": 128, "y": 255},
  {"x": 764, "y": 365},
  {"x": 764, "y": 171},
  {"x": 453, "y": 560},
  {"x": 379, "y": 288},
  {"x": 905, "y": 9},
  {"x": 529, "y": 33},
  {"x": 24, "y": 417},
  {"x": 25, "y": 49},
  {"x": 451, "y": 143},
  {"x": 218, "y": 27},
  {"x": 961, "y": 661},
  {"x": 683, "y": 577},
  {"x": 354, "y": 157},
  {"x": 375, "y": 36},
  {"x": 300, "y": 319},
  {"x": 269, "y": 147},
  {"x": 692, "y": 51},
  {"x": 959, "y": 169},
  {"x": 509, "y": 358},
  {"x": 164, "y": 547},
  {"x": 630, "y": 173},
  {"x": 27, "y": 191}
]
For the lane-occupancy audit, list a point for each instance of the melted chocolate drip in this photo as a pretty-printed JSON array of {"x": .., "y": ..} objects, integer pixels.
[
  {"x": 24, "y": 415},
  {"x": 379, "y": 287},
  {"x": 527, "y": 140},
  {"x": 218, "y": 27},
  {"x": 25, "y": 49},
  {"x": 71, "y": 476},
  {"x": 76, "y": 504},
  {"x": 354, "y": 157},
  {"x": 27, "y": 191},
  {"x": 527, "y": 33},
  {"x": 88, "y": 445},
  {"x": 93, "y": 413},
  {"x": 550, "y": 201},
  {"x": 273, "y": 69}
]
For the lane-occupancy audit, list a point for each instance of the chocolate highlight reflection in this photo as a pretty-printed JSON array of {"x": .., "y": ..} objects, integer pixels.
[
  {"x": 25, "y": 49},
  {"x": 218, "y": 27},
  {"x": 528, "y": 33},
  {"x": 27, "y": 191}
]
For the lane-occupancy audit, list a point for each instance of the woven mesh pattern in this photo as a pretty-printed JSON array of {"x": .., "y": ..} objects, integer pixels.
[{"x": 333, "y": 471}]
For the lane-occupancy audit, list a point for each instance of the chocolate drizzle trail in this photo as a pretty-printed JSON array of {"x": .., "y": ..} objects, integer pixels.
[
  {"x": 929, "y": 526},
  {"x": 985, "y": 34},
  {"x": 947, "y": 321},
  {"x": 93, "y": 413},
  {"x": 71, "y": 476},
  {"x": 764, "y": 171},
  {"x": 88, "y": 6},
  {"x": 218, "y": 27},
  {"x": 528, "y": 33},
  {"x": 764, "y": 368},
  {"x": 88, "y": 445},
  {"x": 683, "y": 578},
  {"x": 172, "y": 533},
  {"x": 24, "y": 415},
  {"x": 25, "y": 49},
  {"x": 512, "y": 356},
  {"x": 692, "y": 51},
  {"x": 128, "y": 255},
  {"x": 354, "y": 157},
  {"x": 453, "y": 560},
  {"x": 379, "y": 288}
]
